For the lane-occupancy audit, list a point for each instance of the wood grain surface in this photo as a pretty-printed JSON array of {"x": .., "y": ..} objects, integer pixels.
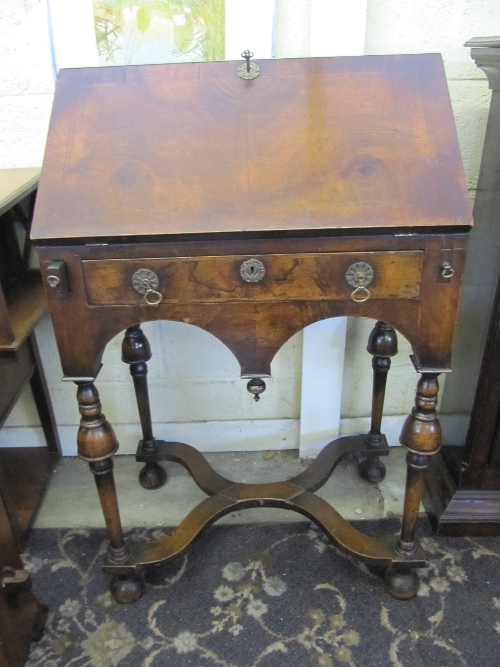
[
  {"x": 310, "y": 144},
  {"x": 287, "y": 278},
  {"x": 255, "y": 329}
]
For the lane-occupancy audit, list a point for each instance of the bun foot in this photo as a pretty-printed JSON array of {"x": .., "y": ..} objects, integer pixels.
[
  {"x": 127, "y": 589},
  {"x": 372, "y": 469},
  {"x": 152, "y": 476},
  {"x": 401, "y": 581}
]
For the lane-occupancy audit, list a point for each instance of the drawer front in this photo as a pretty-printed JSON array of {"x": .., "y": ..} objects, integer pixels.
[{"x": 313, "y": 276}]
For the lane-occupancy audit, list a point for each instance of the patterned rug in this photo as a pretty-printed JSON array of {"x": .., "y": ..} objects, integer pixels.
[{"x": 267, "y": 595}]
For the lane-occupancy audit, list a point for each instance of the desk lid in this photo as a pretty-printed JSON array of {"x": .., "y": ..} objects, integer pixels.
[{"x": 310, "y": 144}]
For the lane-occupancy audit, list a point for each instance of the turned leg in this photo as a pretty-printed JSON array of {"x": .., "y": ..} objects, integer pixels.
[
  {"x": 96, "y": 444},
  {"x": 382, "y": 344},
  {"x": 136, "y": 352},
  {"x": 421, "y": 435}
]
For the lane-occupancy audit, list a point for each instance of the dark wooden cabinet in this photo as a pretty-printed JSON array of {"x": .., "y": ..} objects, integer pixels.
[
  {"x": 22, "y": 616},
  {"x": 464, "y": 482},
  {"x": 24, "y": 472},
  {"x": 22, "y": 303}
]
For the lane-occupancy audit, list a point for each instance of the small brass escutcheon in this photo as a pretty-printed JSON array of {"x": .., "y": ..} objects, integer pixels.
[
  {"x": 249, "y": 70},
  {"x": 252, "y": 271},
  {"x": 252, "y": 73},
  {"x": 146, "y": 282},
  {"x": 57, "y": 279},
  {"x": 359, "y": 275},
  {"x": 447, "y": 271}
]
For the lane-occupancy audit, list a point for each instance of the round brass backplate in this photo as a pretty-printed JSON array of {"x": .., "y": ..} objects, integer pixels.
[
  {"x": 248, "y": 73},
  {"x": 144, "y": 280},
  {"x": 359, "y": 274},
  {"x": 252, "y": 271}
]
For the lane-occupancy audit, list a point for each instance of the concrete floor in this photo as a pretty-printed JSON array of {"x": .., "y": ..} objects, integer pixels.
[{"x": 71, "y": 499}]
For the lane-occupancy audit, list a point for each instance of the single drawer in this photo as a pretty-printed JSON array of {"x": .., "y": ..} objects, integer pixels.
[{"x": 300, "y": 277}]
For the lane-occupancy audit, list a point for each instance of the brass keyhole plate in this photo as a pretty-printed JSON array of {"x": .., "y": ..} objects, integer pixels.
[{"x": 252, "y": 271}]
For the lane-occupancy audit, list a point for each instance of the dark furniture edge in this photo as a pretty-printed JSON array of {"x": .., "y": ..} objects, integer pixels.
[
  {"x": 484, "y": 42},
  {"x": 343, "y": 232},
  {"x": 459, "y": 512}
]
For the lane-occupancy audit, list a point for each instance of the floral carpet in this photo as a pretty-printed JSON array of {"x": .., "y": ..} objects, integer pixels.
[{"x": 267, "y": 595}]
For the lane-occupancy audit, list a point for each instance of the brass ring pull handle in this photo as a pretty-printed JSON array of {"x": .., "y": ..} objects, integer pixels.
[
  {"x": 359, "y": 275},
  {"x": 360, "y": 294},
  {"x": 153, "y": 300},
  {"x": 146, "y": 282},
  {"x": 447, "y": 271}
]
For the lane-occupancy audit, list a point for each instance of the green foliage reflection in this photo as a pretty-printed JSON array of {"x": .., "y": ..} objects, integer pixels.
[{"x": 129, "y": 31}]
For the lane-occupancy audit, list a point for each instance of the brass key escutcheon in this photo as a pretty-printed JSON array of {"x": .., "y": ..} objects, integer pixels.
[{"x": 252, "y": 271}]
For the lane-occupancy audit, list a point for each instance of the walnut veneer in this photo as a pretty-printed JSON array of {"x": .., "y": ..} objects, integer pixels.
[{"x": 252, "y": 208}]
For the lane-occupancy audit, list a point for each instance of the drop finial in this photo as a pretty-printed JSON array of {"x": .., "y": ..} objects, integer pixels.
[{"x": 256, "y": 386}]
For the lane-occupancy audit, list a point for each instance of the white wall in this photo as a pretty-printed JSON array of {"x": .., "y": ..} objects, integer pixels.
[
  {"x": 26, "y": 82},
  {"x": 194, "y": 379},
  {"x": 444, "y": 26}
]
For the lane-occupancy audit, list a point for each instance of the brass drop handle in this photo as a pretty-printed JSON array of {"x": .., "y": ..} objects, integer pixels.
[
  {"x": 360, "y": 294},
  {"x": 57, "y": 279},
  {"x": 146, "y": 282},
  {"x": 447, "y": 271},
  {"x": 359, "y": 275},
  {"x": 152, "y": 297}
]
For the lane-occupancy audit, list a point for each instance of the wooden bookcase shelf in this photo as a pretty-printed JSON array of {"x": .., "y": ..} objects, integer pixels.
[
  {"x": 24, "y": 472},
  {"x": 23, "y": 309}
]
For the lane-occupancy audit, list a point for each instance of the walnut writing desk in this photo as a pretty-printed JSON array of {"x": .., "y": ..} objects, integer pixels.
[{"x": 251, "y": 200}]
